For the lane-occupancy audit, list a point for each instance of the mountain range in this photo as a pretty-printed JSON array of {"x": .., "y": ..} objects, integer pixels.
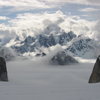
[{"x": 77, "y": 45}]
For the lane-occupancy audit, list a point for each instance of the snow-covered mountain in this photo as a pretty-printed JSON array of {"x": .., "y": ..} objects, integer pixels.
[
  {"x": 81, "y": 46},
  {"x": 84, "y": 47},
  {"x": 31, "y": 44}
]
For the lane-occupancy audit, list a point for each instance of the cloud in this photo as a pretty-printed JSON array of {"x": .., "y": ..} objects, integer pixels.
[
  {"x": 89, "y": 10},
  {"x": 95, "y": 2},
  {"x": 83, "y": 2},
  {"x": 3, "y": 18},
  {"x": 6, "y": 33},
  {"x": 96, "y": 34},
  {"x": 78, "y": 25},
  {"x": 33, "y": 24},
  {"x": 26, "y": 5},
  {"x": 65, "y": 1}
]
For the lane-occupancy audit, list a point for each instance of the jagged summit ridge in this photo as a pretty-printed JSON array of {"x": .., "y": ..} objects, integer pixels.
[
  {"x": 52, "y": 35},
  {"x": 30, "y": 44}
]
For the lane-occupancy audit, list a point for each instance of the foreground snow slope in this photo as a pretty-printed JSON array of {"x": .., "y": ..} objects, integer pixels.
[{"x": 29, "y": 80}]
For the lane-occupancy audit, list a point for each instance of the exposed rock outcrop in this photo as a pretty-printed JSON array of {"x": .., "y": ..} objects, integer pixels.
[
  {"x": 40, "y": 54},
  {"x": 61, "y": 58},
  {"x": 95, "y": 76},
  {"x": 3, "y": 70}
]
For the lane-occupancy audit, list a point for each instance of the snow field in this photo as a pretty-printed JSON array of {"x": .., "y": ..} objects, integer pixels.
[{"x": 30, "y": 80}]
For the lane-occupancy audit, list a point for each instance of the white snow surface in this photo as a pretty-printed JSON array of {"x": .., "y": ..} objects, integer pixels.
[{"x": 38, "y": 80}]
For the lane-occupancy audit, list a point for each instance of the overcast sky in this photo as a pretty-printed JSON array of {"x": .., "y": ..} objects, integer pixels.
[
  {"x": 10, "y": 8},
  {"x": 16, "y": 15}
]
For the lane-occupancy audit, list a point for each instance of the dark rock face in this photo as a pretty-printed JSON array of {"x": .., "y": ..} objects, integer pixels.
[
  {"x": 40, "y": 54},
  {"x": 66, "y": 37},
  {"x": 62, "y": 59},
  {"x": 3, "y": 70},
  {"x": 46, "y": 41},
  {"x": 95, "y": 76},
  {"x": 80, "y": 45},
  {"x": 30, "y": 44}
]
